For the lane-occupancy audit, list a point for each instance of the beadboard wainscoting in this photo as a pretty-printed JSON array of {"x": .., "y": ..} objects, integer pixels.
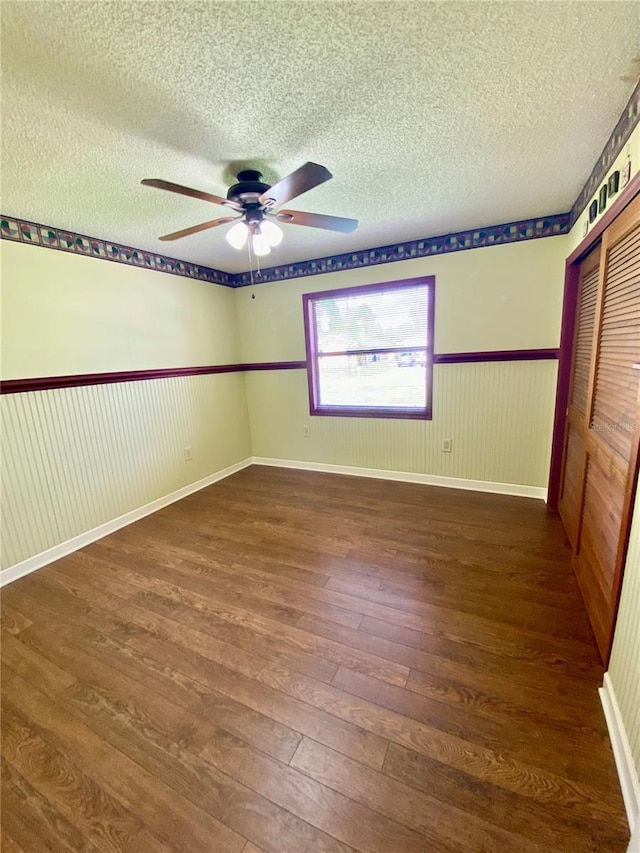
[
  {"x": 621, "y": 692},
  {"x": 498, "y": 415},
  {"x": 74, "y": 459}
]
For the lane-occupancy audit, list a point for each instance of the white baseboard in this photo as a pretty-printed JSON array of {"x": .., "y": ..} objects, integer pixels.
[
  {"x": 408, "y": 477},
  {"x": 627, "y": 772},
  {"x": 58, "y": 551},
  {"x": 25, "y": 567}
]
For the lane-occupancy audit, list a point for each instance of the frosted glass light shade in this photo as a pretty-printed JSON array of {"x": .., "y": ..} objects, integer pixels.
[
  {"x": 260, "y": 244},
  {"x": 237, "y": 235},
  {"x": 272, "y": 232}
]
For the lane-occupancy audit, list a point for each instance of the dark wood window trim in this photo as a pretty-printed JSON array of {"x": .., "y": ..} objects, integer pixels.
[{"x": 396, "y": 412}]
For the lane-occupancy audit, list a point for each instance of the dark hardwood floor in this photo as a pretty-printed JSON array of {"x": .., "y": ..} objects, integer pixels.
[{"x": 306, "y": 663}]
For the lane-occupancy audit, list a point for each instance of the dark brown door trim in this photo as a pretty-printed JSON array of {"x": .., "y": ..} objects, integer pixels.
[{"x": 571, "y": 280}]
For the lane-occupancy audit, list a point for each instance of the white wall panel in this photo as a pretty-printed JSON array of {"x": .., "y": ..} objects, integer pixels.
[
  {"x": 499, "y": 415},
  {"x": 75, "y": 458},
  {"x": 624, "y": 666}
]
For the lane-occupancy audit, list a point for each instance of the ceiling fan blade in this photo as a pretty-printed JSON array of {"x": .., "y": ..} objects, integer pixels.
[
  {"x": 159, "y": 184},
  {"x": 303, "y": 179},
  {"x": 317, "y": 220},
  {"x": 213, "y": 223}
]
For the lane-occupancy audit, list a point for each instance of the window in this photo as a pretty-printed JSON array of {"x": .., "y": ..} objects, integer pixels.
[{"x": 370, "y": 349}]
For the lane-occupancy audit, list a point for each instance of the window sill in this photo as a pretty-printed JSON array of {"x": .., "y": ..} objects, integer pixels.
[{"x": 363, "y": 412}]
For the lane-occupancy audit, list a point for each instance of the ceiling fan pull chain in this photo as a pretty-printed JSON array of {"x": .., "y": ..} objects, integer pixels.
[{"x": 250, "y": 260}]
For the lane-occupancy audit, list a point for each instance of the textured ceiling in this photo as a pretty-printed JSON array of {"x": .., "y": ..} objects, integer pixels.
[{"x": 432, "y": 117}]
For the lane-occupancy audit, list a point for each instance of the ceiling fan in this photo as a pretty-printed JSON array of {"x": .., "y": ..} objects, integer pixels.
[{"x": 256, "y": 204}]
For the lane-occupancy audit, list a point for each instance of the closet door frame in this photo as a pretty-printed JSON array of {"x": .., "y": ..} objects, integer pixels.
[
  {"x": 569, "y": 312},
  {"x": 569, "y": 319}
]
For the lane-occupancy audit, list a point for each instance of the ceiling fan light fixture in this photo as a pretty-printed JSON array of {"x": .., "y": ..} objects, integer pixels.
[
  {"x": 272, "y": 232},
  {"x": 254, "y": 201},
  {"x": 260, "y": 244},
  {"x": 237, "y": 235}
]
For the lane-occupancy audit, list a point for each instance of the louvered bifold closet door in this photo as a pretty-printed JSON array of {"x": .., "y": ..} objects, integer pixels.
[
  {"x": 613, "y": 435},
  {"x": 573, "y": 464}
]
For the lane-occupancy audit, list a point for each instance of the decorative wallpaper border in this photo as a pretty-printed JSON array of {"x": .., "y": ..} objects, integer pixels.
[
  {"x": 23, "y": 231},
  {"x": 616, "y": 142},
  {"x": 48, "y": 237},
  {"x": 476, "y": 238}
]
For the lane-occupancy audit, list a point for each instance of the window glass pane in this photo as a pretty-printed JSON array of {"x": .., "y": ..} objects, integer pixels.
[
  {"x": 391, "y": 318},
  {"x": 373, "y": 381}
]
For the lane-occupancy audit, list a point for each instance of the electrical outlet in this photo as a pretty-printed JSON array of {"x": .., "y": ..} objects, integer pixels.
[
  {"x": 306, "y": 431},
  {"x": 447, "y": 444},
  {"x": 187, "y": 454}
]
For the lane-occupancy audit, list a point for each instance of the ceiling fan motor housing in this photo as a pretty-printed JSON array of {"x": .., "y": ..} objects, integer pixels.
[{"x": 249, "y": 187}]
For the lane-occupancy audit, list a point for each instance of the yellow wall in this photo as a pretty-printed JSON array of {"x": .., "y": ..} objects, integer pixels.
[
  {"x": 499, "y": 416},
  {"x": 65, "y": 313},
  {"x": 76, "y": 458},
  {"x": 499, "y": 297}
]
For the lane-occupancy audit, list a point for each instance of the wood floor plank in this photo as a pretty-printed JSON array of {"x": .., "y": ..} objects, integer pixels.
[
  {"x": 556, "y": 826},
  {"x": 437, "y": 660},
  {"x": 165, "y": 811},
  {"x": 354, "y": 824},
  {"x": 54, "y": 605},
  {"x": 232, "y": 557},
  {"x": 479, "y": 761},
  {"x": 8, "y": 845},
  {"x": 121, "y": 567},
  {"x": 12, "y": 622},
  {"x": 184, "y": 670},
  {"x": 338, "y": 597},
  {"x": 242, "y": 807},
  {"x": 491, "y": 590},
  {"x": 468, "y": 627},
  {"x": 364, "y": 745},
  {"x": 247, "y": 593},
  {"x": 333, "y": 654},
  {"x": 115, "y": 668},
  {"x": 530, "y": 615},
  {"x": 244, "y": 637},
  {"x": 296, "y": 662},
  {"x": 204, "y": 632},
  {"x": 34, "y": 820},
  {"x": 443, "y": 827},
  {"x": 398, "y": 567},
  {"x": 77, "y": 797},
  {"x": 445, "y": 541},
  {"x": 572, "y": 660},
  {"x": 33, "y": 667},
  {"x": 160, "y": 597},
  {"x": 498, "y": 697},
  {"x": 275, "y": 553},
  {"x": 516, "y": 741}
]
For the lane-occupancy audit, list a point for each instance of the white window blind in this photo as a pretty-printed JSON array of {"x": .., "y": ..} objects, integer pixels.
[{"x": 371, "y": 350}]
